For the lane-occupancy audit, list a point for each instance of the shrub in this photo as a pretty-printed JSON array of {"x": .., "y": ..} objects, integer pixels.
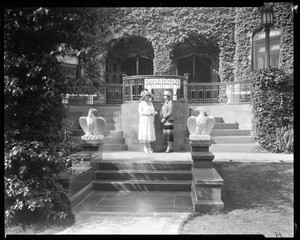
[
  {"x": 36, "y": 139},
  {"x": 33, "y": 192},
  {"x": 31, "y": 182},
  {"x": 285, "y": 139},
  {"x": 272, "y": 108}
]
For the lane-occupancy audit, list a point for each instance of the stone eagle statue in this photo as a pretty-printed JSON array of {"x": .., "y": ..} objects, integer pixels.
[
  {"x": 92, "y": 125},
  {"x": 200, "y": 126}
]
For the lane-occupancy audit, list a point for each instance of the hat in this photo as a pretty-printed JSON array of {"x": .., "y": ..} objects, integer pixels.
[
  {"x": 145, "y": 93},
  {"x": 167, "y": 93}
]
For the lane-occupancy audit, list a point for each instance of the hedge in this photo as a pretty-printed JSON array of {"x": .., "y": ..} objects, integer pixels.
[{"x": 272, "y": 107}]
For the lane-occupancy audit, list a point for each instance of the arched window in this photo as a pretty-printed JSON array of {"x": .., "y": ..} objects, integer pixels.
[{"x": 259, "y": 50}]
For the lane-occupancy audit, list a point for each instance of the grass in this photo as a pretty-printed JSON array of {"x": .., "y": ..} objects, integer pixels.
[
  {"x": 32, "y": 229},
  {"x": 258, "y": 199},
  {"x": 38, "y": 227}
]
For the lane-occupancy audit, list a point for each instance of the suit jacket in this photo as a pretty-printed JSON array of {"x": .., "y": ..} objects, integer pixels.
[{"x": 167, "y": 110}]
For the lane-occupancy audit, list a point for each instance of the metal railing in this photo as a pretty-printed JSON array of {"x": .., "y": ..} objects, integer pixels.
[
  {"x": 114, "y": 93},
  {"x": 212, "y": 92},
  {"x": 217, "y": 92},
  {"x": 156, "y": 84},
  {"x": 132, "y": 88}
]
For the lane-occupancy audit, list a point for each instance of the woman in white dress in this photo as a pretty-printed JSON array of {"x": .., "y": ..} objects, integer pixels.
[{"x": 146, "y": 125}]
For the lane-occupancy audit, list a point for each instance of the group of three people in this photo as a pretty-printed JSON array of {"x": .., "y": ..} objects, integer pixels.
[{"x": 146, "y": 125}]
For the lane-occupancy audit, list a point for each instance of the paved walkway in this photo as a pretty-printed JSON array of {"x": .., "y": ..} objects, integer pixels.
[
  {"x": 186, "y": 156},
  {"x": 126, "y": 223},
  {"x": 147, "y": 212}
]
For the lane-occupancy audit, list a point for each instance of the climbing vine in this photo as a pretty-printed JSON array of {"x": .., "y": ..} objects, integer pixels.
[
  {"x": 229, "y": 28},
  {"x": 246, "y": 21},
  {"x": 166, "y": 27},
  {"x": 284, "y": 21}
]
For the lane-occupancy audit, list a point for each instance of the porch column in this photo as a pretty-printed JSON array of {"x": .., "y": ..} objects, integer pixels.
[
  {"x": 101, "y": 93},
  {"x": 206, "y": 182},
  {"x": 161, "y": 62}
]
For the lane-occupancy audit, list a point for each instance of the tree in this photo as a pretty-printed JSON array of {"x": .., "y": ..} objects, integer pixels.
[
  {"x": 34, "y": 81},
  {"x": 33, "y": 88}
]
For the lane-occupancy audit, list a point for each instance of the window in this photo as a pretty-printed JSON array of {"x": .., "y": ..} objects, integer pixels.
[
  {"x": 259, "y": 50},
  {"x": 137, "y": 66},
  {"x": 199, "y": 68},
  {"x": 133, "y": 66},
  {"x": 70, "y": 65}
]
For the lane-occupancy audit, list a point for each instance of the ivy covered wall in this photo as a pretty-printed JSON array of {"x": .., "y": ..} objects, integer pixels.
[
  {"x": 230, "y": 28},
  {"x": 246, "y": 21},
  {"x": 284, "y": 20},
  {"x": 165, "y": 27}
]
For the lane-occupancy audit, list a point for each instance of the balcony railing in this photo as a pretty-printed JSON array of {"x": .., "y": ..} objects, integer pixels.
[
  {"x": 212, "y": 92},
  {"x": 156, "y": 84},
  {"x": 216, "y": 92},
  {"x": 114, "y": 93}
]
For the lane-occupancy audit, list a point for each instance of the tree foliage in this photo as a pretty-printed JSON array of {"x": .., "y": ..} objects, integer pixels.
[
  {"x": 36, "y": 138},
  {"x": 33, "y": 79}
]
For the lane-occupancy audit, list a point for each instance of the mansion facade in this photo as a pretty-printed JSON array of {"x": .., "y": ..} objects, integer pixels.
[{"x": 211, "y": 47}]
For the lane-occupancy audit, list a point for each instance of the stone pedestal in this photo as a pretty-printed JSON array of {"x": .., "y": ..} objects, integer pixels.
[
  {"x": 94, "y": 145},
  {"x": 206, "y": 183}
]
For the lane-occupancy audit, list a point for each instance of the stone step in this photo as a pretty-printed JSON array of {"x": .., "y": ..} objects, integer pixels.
[
  {"x": 244, "y": 147},
  {"x": 76, "y": 139},
  {"x": 77, "y": 133},
  {"x": 109, "y": 125},
  {"x": 114, "y": 140},
  {"x": 219, "y": 119},
  {"x": 227, "y": 140},
  {"x": 230, "y": 132},
  {"x": 114, "y": 147},
  {"x": 115, "y": 133},
  {"x": 142, "y": 185},
  {"x": 114, "y": 126},
  {"x": 108, "y": 133},
  {"x": 232, "y": 139},
  {"x": 226, "y": 126},
  {"x": 143, "y": 175},
  {"x": 103, "y": 108},
  {"x": 196, "y": 113},
  {"x": 109, "y": 119},
  {"x": 105, "y": 114},
  {"x": 110, "y": 143},
  {"x": 145, "y": 165}
]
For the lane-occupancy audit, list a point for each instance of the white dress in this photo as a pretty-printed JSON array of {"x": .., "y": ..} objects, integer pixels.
[{"x": 146, "y": 125}]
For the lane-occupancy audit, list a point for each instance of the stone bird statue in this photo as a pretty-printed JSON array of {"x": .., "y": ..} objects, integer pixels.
[
  {"x": 92, "y": 125},
  {"x": 200, "y": 126}
]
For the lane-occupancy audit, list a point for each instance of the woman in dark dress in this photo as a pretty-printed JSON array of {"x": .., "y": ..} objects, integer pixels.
[{"x": 166, "y": 114}]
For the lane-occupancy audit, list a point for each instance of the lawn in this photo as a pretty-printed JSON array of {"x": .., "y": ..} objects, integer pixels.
[
  {"x": 258, "y": 199},
  {"x": 33, "y": 229}
]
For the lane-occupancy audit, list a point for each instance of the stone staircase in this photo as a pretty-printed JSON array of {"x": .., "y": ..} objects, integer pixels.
[
  {"x": 143, "y": 176},
  {"x": 227, "y": 137},
  {"x": 114, "y": 140}
]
